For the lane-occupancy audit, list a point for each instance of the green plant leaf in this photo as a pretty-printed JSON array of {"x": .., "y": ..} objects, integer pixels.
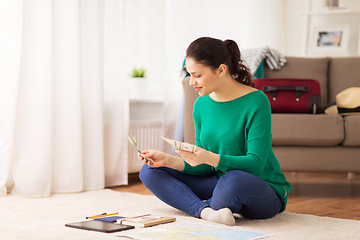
[{"x": 138, "y": 72}]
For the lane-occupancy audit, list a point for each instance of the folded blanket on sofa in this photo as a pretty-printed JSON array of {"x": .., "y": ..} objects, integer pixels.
[{"x": 254, "y": 57}]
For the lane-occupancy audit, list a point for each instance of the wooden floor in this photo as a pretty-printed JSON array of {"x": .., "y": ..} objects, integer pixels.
[{"x": 322, "y": 194}]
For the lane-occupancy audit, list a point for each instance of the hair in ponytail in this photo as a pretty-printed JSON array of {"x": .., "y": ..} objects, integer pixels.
[{"x": 213, "y": 52}]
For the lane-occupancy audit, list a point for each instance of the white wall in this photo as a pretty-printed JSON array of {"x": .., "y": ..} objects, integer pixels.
[
  {"x": 280, "y": 24},
  {"x": 298, "y": 23},
  {"x": 295, "y": 27}
]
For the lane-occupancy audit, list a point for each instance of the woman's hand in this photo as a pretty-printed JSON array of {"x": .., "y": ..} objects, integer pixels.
[
  {"x": 161, "y": 159},
  {"x": 199, "y": 156}
]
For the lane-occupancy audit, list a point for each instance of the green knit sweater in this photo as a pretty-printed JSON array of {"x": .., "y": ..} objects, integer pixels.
[{"x": 240, "y": 132}]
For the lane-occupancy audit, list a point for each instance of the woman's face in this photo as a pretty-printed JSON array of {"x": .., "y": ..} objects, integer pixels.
[{"x": 203, "y": 78}]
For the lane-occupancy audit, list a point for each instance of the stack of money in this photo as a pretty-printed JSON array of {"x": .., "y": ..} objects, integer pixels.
[{"x": 180, "y": 145}]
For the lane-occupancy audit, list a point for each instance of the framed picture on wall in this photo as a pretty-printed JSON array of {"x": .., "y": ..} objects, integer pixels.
[{"x": 329, "y": 39}]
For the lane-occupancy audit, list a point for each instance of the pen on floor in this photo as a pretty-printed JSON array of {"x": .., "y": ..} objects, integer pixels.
[
  {"x": 123, "y": 219},
  {"x": 102, "y": 215}
]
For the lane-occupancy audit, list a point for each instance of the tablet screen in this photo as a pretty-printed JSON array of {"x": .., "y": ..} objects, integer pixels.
[{"x": 99, "y": 226}]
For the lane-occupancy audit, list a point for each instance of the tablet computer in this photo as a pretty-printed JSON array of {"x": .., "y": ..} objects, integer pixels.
[{"x": 99, "y": 226}]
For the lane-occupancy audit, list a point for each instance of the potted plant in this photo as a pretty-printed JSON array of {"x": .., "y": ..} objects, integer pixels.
[
  {"x": 138, "y": 83},
  {"x": 138, "y": 73}
]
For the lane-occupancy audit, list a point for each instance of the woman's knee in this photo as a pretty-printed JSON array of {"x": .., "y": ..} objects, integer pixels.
[
  {"x": 149, "y": 175},
  {"x": 145, "y": 173}
]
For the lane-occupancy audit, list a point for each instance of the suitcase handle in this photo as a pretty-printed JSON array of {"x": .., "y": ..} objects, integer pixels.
[{"x": 299, "y": 90}]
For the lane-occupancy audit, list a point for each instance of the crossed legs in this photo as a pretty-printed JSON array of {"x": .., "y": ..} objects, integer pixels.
[{"x": 207, "y": 196}]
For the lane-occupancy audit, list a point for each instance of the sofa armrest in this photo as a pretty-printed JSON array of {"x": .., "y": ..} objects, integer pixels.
[{"x": 190, "y": 95}]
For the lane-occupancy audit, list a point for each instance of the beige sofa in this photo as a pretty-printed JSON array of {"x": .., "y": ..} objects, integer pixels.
[{"x": 307, "y": 142}]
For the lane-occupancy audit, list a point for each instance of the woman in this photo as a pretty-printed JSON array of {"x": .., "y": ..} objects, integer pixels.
[{"x": 233, "y": 169}]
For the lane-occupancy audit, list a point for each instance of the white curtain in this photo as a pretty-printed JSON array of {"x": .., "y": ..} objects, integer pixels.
[
  {"x": 116, "y": 98},
  {"x": 51, "y": 97},
  {"x": 251, "y": 23}
]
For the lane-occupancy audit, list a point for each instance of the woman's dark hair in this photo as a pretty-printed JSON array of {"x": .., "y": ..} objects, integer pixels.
[{"x": 213, "y": 52}]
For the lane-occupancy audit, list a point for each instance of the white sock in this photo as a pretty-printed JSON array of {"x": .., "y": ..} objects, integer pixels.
[{"x": 223, "y": 216}]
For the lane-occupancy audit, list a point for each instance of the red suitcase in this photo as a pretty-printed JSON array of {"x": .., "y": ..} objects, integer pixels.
[{"x": 291, "y": 95}]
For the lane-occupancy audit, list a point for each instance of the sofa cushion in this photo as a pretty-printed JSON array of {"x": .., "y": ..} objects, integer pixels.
[
  {"x": 318, "y": 159},
  {"x": 343, "y": 73},
  {"x": 352, "y": 131},
  {"x": 306, "y": 68},
  {"x": 307, "y": 129}
]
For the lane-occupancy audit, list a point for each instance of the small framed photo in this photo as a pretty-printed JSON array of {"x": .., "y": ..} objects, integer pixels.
[{"x": 329, "y": 39}]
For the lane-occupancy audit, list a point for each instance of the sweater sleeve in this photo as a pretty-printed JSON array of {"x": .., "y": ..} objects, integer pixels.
[{"x": 258, "y": 144}]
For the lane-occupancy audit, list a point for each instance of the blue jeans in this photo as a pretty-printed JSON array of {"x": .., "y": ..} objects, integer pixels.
[{"x": 242, "y": 192}]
